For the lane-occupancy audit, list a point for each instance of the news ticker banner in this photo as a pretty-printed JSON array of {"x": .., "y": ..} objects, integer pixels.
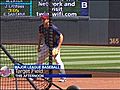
[
  {"x": 37, "y": 71},
  {"x": 67, "y": 8},
  {"x": 5, "y": 71}
]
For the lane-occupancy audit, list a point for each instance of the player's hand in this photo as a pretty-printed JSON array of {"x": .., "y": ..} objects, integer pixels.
[{"x": 55, "y": 51}]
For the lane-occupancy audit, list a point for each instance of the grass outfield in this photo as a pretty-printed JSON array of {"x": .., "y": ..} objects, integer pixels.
[{"x": 74, "y": 57}]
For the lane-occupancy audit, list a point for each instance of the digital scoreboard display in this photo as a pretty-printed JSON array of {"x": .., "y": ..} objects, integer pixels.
[{"x": 65, "y": 8}]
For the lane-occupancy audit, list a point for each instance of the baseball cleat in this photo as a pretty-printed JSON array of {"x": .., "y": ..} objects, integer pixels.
[
  {"x": 31, "y": 79},
  {"x": 62, "y": 80}
]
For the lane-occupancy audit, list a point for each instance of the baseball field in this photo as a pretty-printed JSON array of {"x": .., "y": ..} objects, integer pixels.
[
  {"x": 74, "y": 57},
  {"x": 97, "y": 60}
]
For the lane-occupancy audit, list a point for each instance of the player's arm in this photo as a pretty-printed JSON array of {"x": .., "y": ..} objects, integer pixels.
[
  {"x": 56, "y": 50},
  {"x": 60, "y": 41}
]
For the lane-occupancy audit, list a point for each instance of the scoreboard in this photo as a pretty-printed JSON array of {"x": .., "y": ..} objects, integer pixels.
[{"x": 67, "y": 8}]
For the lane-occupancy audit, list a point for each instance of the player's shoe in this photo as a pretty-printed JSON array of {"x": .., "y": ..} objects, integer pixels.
[
  {"x": 62, "y": 80},
  {"x": 32, "y": 79}
]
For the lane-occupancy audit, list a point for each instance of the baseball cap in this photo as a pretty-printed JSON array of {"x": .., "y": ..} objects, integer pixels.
[{"x": 44, "y": 16}]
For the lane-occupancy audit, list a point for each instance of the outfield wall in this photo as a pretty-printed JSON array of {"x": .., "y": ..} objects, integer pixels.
[
  {"x": 92, "y": 32},
  {"x": 80, "y": 31},
  {"x": 101, "y": 28}
]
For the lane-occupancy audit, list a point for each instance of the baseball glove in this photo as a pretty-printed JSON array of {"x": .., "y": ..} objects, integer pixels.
[{"x": 55, "y": 51}]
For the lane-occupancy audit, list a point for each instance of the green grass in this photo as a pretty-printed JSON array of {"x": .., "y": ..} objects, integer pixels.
[
  {"x": 77, "y": 54},
  {"x": 90, "y": 59},
  {"x": 90, "y": 66}
]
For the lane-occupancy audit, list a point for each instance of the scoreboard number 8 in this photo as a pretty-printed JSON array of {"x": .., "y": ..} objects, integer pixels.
[{"x": 114, "y": 40}]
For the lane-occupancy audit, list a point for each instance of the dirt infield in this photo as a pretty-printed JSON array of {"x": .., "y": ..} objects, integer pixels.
[
  {"x": 90, "y": 83},
  {"x": 100, "y": 80}
]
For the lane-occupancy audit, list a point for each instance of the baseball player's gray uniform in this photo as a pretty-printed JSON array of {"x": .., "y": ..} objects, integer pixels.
[{"x": 44, "y": 50}]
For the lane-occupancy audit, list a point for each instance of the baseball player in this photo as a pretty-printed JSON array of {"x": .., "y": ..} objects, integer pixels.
[{"x": 43, "y": 52}]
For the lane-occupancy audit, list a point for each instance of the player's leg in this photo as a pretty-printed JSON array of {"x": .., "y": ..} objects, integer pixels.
[
  {"x": 43, "y": 54},
  {"x": 62, "y": 70}
]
